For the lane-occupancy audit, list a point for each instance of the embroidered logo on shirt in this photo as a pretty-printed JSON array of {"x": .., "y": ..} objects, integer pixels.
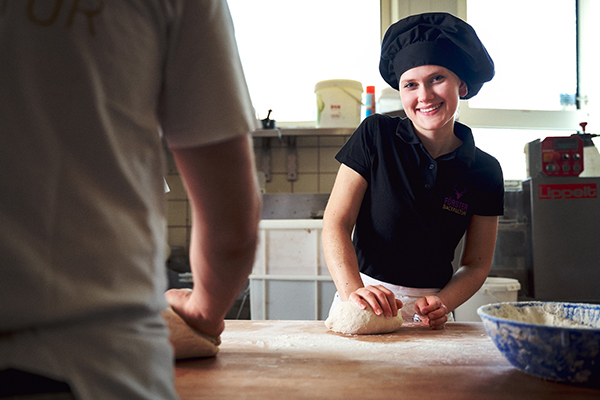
[
  {"x": 459, "y": 192},
  {"x": 455, "y": 205}
]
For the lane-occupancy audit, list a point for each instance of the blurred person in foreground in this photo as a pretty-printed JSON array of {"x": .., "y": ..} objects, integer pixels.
[{"x": 87, "y": 89}]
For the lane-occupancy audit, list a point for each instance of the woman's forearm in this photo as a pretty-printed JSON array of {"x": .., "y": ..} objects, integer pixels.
[
  {"x": 476, "y": 262},
  {"x": 463, "y": 285},
  {"x": 338, "y": 222},
  {"x": 341, "y": 260}
]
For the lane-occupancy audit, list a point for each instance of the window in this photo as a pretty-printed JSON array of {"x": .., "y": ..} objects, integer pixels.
[
  {"x": 508, "y": 146},
  {"x": 287, "y": 47},
  {"x": 534, "y": 47}
]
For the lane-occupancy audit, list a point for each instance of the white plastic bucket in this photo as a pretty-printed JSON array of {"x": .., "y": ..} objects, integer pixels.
[
  {"x": 389, "y": 101},
  {"x": 494, "y": 290},
  {"x": 338, "y": 103}
]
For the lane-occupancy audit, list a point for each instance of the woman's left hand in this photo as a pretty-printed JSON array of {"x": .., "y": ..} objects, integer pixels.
[{"x": 432, "y": 311}]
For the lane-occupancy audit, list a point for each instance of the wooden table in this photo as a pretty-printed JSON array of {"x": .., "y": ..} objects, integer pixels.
[{"x": 303, "y": 360}]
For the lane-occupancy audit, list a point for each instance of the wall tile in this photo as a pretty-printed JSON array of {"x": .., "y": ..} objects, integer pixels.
[
  {"x": 308, "y": 160},
  {"x": 278, "y": 160},
  {"x": 332, "y": 141},
  {"x": 278, "y": 184},
  {"x": 178, "y": 237},
  {"x": 177, "y": 213},
  {"x": 317, "y": 169},
  {"x": 326, "y": 182},
  {"x": 327, "y": 161},
  {"x": 306, "y": 183},
  {"x": 307, "y": 141},
  {"x": 277, "y": 142}
]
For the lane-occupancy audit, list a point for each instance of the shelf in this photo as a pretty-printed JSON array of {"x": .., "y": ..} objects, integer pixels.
[
  {"x": 302, "y": 132},
  {"x": 279, "y": 132}
]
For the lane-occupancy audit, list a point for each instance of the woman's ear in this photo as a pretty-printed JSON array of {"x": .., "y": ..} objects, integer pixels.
[{"x": 463, "y": 89}]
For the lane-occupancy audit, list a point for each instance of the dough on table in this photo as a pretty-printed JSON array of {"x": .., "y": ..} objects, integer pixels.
[
  {"x": 347, "y": 317},
  {"x": 187, "y": 342}
]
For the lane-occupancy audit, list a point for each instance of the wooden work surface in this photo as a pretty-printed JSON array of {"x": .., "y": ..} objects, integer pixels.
[{"x": 304, "y": 360}]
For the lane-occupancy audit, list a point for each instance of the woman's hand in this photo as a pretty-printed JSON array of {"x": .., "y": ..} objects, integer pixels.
[
  {"x": 380, "y": 299},
  {"x": 432, "y": 311}
]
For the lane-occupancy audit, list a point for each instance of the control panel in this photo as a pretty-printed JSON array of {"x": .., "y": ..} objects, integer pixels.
[{"x": 562, "y": 156}]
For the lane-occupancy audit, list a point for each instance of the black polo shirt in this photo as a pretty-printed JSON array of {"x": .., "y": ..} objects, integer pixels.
[{"x": 416, "y": 208}]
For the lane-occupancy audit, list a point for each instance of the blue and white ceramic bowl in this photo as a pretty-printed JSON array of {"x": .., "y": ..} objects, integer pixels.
[{"x": 550, "y": 340}]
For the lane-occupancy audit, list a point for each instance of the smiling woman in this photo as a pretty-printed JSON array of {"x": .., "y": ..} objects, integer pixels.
[
  {"x": 430, "y": 96},
  {"x": 409, "y": 188}
]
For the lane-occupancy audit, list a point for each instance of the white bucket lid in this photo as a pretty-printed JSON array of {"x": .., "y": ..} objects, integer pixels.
[
  {"x": 494, "y": 284},
  {"x": 342, "y": 83},
  {"x": 390, "y": 93}
]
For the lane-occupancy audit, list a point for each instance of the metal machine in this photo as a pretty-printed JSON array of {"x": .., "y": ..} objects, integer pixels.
[{"x": 562, "y": 216}]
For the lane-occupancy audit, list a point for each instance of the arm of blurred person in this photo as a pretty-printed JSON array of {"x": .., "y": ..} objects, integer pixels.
[{"x": 226, "y": 206}]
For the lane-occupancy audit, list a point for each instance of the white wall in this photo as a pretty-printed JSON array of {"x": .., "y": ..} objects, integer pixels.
[{"x": 394, "y": 10}]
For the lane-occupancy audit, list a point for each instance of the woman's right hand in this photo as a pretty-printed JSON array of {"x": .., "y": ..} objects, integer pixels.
[{"x": 379, "y": 298}]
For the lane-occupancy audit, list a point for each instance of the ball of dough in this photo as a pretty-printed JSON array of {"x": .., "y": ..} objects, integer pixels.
[
  {"x": 347, "y": 317},
  {"x": 187, "y": 342}
]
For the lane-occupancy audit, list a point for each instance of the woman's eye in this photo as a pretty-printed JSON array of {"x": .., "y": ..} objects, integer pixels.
[
  {"x": 409, "y": 85},
  {"x": 438, "y": 78}
]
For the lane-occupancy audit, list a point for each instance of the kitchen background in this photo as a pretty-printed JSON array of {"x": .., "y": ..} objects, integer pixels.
[
  {"x": 316, "y": 173},
  {"x": 309, "y": 155}
]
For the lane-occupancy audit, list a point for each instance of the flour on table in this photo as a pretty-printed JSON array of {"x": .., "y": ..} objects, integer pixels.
[{"x": 349, "y": 318}]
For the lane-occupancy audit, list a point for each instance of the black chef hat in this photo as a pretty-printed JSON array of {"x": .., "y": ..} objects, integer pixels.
[{"x": 435, "y": 39}]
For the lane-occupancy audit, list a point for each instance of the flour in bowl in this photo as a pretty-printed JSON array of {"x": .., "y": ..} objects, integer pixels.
[{"x": 548, "y": 315}]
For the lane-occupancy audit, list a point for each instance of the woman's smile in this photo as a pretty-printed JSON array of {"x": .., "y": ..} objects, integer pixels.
[{"x": 430, "y": 109}]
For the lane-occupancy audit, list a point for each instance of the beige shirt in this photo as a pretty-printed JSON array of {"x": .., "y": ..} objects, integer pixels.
[{"x": 85, "y": 87}]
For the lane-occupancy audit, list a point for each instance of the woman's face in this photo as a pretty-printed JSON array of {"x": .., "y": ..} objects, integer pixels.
[{"x": 430, "y": 96}]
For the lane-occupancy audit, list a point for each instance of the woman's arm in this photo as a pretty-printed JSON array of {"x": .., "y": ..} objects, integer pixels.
[
  {"x": 338, "y": 222},
  {"x": 475, "y": 267}
]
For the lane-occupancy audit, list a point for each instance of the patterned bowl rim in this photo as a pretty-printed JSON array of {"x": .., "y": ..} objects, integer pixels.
[{"x": 483, "y": 313}]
